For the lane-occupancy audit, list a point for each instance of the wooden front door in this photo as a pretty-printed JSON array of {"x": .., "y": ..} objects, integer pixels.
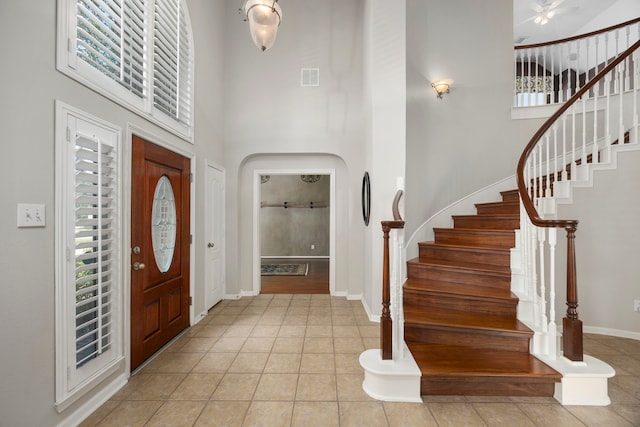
[{"x": 160, "y": 193}]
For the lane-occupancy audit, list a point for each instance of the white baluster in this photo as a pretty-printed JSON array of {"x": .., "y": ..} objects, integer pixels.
[
  {"x": 587, "y": 78},
  {"x": 616, "y": 82},
  {"x": 578, "y": 55},
  {"x": 594, "y": 151},
  {"x": 535, "y": 81},
  {"x": 544, "y": 81},
  {"x": 565, "y": 64},
  {"x": 552, "y": 329},
  {"x": 621, "y": 106},
  {"x": 547, "y": 186},
  {"x": 532, "y": 177},
  {"x": 563, "y": 171},
  {"x": 516, "y": 54},
  {"x": 397, "y": 314},
  {"x": 542, "y": 279},
  {"x": 633, "y": 138},
  {"x": 607, "y": 120},
  {"x": 524, "y": 245},
  {"x": 574, "y": 156},
  {"x": 555, "y": 158},
  {"x": 606, "y": 49},
  {"x": 596, "y": 63},
  {"x": 534, "y": 274},
  {"x": 627, "y": 79},
  {"x": 541, "y": 188},
  {"x": 584, "y": 131}
]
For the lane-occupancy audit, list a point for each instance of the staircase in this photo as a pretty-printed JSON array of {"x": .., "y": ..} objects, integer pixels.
[{"x": 460, "y": 314}]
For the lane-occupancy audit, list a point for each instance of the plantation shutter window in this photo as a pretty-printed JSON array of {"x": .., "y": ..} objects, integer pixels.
[
  {"x": 110, "y": 38},
  {"x": 171, "y": 65},
  {"x": 137, "y": 52},
  {"x": 89, "y": 290},
  {"x": 95, "y": 207}
]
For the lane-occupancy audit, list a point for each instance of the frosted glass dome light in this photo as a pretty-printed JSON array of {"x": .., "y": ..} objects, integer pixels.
[{"x": 264, "y": 18}]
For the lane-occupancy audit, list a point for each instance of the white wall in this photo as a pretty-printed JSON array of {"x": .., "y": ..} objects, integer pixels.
[
  {"x": 271, "y": 122},
  {"x": 607, "y": 246},
  {"x": 620, "y": 11},
  {"x": 295, "y": 231},
  {"x": 467, "y": 140},
  {"x": 27, "y": 175},
  {"x": 208, "y": 22},
  {"x": 385, "y": 89}
]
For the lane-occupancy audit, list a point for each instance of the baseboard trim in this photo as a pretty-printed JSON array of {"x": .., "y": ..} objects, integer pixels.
[
  {"x": 372, "y": 317},
  {"x": 612, "y": 332},
  {"x": 93, "y": 403}
]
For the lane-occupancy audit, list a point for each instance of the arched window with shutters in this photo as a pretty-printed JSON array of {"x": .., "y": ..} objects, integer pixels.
[{"x": 138, "y": 53}]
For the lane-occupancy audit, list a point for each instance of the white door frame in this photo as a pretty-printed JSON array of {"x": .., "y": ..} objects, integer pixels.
[
  {"x": 207, "y": 226},
  {"x": 256, "y": 220},
  {"x": 151, "y": 136}
]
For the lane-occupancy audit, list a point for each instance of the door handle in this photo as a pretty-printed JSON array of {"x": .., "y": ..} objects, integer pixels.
[
  {"x": 210, "y": 245},
  {"x": 138, "y": 266}
]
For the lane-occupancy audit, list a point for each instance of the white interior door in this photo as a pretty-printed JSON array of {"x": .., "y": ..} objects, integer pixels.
[{"x": 214, "y": 232}]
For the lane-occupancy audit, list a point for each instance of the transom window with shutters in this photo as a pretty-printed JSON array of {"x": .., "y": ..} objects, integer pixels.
[
  {"x": 89, "y": 331},
  {"x": 137, "y": 52}
]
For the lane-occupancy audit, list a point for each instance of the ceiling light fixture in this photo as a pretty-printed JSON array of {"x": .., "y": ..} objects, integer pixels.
[
  {"x": 545, "y": 11},
  {"x": 310, "y": 179},
  {"x": 264, "y": 18}
]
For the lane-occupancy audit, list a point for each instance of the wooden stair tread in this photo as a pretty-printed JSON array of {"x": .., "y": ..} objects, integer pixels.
[
  {"x": 463, "y": 265},
  {"x": 439, "y": 359},
  {"x": 467, "y": 320},
  {"x": 488, "y": 231},
  {"x": 498, "y": 256},
  {"x": 466, "y": 248},
  {"x": 510, "y": 195},
  {"x": 458, "y": 289},
  {"x": 489, "y": 217},
  {"x": 502, "y": 203}
]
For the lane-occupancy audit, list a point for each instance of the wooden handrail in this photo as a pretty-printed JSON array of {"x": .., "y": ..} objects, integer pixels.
[
  {"x": 572, "y": 326},
  {"x": 581, "y": 36}
]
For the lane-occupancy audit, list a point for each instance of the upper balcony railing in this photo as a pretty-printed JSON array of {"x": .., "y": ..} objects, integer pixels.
[
  {"x": 550, "y": 73},
  {"x": 578, "y": 137}
]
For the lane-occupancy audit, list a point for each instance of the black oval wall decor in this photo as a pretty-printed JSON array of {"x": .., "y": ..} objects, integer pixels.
[{"x": 366, "y": 198}]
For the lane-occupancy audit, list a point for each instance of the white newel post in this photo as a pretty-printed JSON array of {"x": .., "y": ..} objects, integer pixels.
[{"x": 397, "y": 312}]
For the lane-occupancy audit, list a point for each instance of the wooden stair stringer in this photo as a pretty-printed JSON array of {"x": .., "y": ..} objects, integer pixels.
[{"x": 561, "y": 192}]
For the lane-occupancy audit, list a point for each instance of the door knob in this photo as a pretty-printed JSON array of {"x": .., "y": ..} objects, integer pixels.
[
  {"x": 138, "y": 266},
  {"x": 210, "y": 245}
]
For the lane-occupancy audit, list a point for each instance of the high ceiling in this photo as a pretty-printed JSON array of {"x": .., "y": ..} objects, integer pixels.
[{"x": 570, "y": 17}]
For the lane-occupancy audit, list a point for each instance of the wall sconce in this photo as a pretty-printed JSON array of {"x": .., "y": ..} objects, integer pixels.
[
  {"x": 264, "y": 18},
  {"x": 441, "y": 87}
]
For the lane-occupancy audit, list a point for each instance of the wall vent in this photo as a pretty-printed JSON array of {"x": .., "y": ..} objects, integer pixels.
[{"x": 309, "y": 77}]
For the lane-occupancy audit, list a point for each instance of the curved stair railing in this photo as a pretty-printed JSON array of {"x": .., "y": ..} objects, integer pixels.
[
  {"x": 585, "y": 133},
  {"x": 550, "y": 73}
]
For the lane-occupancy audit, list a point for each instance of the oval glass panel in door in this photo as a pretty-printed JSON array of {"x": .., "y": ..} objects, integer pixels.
[{"x": 163, "y": 224}]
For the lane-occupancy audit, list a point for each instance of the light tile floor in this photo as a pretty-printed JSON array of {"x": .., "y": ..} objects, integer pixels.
[{"x": 292, "y": 360}]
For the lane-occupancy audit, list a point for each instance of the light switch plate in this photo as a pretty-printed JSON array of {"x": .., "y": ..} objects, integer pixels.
[{"x": 31, "y": 215}]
